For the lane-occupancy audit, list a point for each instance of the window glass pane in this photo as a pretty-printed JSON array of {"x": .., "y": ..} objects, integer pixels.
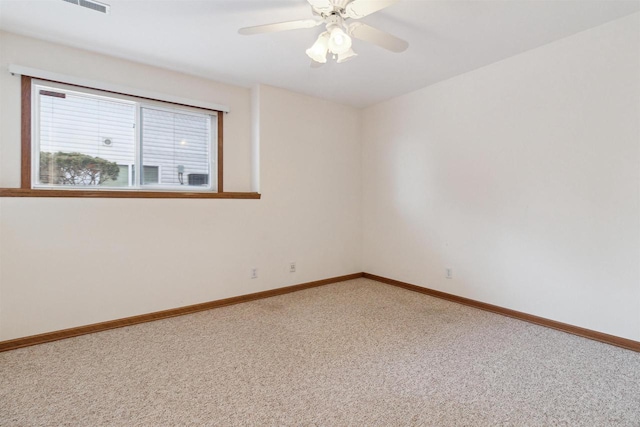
[
  {"x": 179, "y": 143},
  {"x": 91, "y": 139},
  {"x": 122, "y": 180},
  {"x": 84, "y": 140},
  {"x": 151, "y": 174}
]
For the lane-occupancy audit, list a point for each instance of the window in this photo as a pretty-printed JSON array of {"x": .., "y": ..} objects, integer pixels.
[
  {"x": 72, "y": 146},
  {"x": 89, "y": 139}
]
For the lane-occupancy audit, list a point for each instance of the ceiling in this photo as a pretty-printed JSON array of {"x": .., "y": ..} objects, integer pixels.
[{"x": 200, "y": 37}]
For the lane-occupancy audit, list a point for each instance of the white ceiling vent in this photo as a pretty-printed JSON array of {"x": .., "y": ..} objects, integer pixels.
[{"x": 90, "y": 4}]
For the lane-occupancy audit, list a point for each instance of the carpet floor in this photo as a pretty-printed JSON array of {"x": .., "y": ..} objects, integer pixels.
[{"x": 351, "y": 353}]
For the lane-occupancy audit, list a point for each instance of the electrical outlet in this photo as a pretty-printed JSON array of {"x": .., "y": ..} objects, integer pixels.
[
  {"x": 254, "y": 273},
  {"x": 449, "y": 273},
  {"x": 292, "y": 267}
]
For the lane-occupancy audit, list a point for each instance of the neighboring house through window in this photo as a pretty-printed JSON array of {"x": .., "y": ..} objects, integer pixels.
[{"x": 86, "y": 138}]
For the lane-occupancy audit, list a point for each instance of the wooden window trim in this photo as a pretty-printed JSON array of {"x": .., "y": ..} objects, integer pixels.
[
  {"x": 117, "y": 194},
  {"x": 25, "y": 189},
  {"x": 25, "y": 162}
]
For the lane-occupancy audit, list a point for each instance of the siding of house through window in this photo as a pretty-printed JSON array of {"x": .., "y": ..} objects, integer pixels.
[
  {"x": 83, "y": 124},
  {"x": 175, "y": 144}
]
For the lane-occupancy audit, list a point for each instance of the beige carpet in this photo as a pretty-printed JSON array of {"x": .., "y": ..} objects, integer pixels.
[{"x": 352, "y": 353}]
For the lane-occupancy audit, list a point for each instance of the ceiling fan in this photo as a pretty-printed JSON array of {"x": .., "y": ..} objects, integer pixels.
[{"x": 336, "y": 40}]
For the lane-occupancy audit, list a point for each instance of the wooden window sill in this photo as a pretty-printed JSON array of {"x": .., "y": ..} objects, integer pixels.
[{"x": 106, "y": 194}]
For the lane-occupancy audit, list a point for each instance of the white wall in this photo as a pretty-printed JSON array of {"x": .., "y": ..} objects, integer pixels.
[
  {"x": 72, "y": 262},
  {"x": 522, "y": 176}
]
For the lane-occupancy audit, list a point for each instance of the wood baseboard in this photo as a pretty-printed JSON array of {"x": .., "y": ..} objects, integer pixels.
[
  {"x": 119, "y": 323},
  {"x": 575, "y": 330}
]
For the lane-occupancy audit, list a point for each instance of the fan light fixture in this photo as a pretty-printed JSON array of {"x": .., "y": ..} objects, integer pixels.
[
  {"x": 334, "y": 40},
  {"x": 335, "y": 15}
]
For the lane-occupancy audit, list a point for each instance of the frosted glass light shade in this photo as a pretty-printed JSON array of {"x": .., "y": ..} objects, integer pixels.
[
  {"x": 318, "y": 52},
  {"x": 339, "y": 41}
]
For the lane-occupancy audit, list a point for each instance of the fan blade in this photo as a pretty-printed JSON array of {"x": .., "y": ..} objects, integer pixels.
[
  {"x": 280, "y": 26},
  {"x": 321, "y": 5},
  {"x": 373, "y": 35},
  {"x": 360, "y": 8},
  {"x": 315, "y": 64}
]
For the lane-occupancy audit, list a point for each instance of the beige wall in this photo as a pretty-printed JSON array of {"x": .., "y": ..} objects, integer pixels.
[
  {"x": 72, "y": 262},
  {"x": 523, "y": 177}
]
